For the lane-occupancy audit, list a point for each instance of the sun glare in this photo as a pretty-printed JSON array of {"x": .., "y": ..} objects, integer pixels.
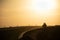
[
  {"x": 44, "y": 8},
  {"x": 43, "y": 5}
]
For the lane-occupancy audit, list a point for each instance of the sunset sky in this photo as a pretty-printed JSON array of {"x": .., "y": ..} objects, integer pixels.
[{"x": 29, "y": 12}]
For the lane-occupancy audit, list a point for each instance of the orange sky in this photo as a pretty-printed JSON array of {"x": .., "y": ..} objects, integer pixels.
[{"x": 29, "y": 12}]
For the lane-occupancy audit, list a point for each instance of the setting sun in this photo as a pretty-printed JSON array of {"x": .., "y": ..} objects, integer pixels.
[{"x": 44, "y": 7}]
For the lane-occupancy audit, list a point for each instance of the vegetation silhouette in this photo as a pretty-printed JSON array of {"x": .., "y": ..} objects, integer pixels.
[{"x": 44, "y": 25}]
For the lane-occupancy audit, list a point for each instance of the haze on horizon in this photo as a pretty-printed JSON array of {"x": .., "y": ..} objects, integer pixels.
[{"x": 29, "y": 12}]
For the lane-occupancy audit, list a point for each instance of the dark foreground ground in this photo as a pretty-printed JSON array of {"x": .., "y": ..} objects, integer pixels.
[
  {"x": 48, "y": 33},
  {"x": 13, "y": 33}
]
